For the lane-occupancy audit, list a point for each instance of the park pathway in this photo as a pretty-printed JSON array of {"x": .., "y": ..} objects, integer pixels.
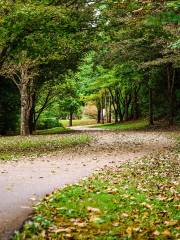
[{"x": 24, "y": 182}]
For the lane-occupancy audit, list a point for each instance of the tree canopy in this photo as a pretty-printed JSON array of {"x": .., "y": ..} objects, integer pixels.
[{"x": 123, "y": 55}]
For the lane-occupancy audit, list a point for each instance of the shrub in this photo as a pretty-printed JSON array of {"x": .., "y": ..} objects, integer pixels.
[{"x": 46, "y": 123}]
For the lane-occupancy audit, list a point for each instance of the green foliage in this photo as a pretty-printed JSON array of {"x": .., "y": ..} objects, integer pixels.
[
  {"x": 97, "y": 51},
  {"x": 79, "y": 122},
  {"x": 56, "y": 130},
  {"x": 132, "y": 125},
  {"x": 47, "y": 123},
  {"x": 43, "y": 35}
]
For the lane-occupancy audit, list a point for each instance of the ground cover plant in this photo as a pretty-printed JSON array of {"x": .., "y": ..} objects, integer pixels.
[
  {"x": 55, "y": 130},
  {"x": 16, "y": 146},
  {"x": 79, "y": 122},
  {"x": 137, "y": 200},
  {"x": 130, "y": 125}
]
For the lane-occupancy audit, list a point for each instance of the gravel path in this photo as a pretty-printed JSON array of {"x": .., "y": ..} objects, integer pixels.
[{"x": 25, "y": 182}]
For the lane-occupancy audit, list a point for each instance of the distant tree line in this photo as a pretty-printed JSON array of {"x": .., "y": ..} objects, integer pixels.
[
  {"x": 122, "y": 55},
  {"x": 135, "y": 69}
]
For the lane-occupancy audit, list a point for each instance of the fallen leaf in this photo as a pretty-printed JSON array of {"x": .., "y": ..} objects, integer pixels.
[
  {"x": 171, "y": 223},
  {"x": 115, "y": 224},
  {"x": 156, "y": 233},
  {"x": 129, "y": 231},
  {"x": 91, "y": 209},
  {"x": 60, "y": 230},
  {"x": 147, "y": 205},
  {"x": 166, "y": 233},
  {"x": 78, "y": 224},
  {"x": 124, "y": 215},
  {"x": 112, "y": 190},
  {"x": 96, "y": 219}
]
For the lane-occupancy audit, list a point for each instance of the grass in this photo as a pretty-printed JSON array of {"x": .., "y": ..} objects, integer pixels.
[
  {"x": 15, "y": 147},
  {"x": 56, "y": 130},
  {"x": 139, "y": 200},
  {"x": 130, "y": 125},
  {"x": 80, "y": 122}
]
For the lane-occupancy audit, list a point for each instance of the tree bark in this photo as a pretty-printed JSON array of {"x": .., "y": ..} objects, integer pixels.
[
  {"x": 110, "y": 111},
  {"x": 98, "y": 106},
  {"x": 106, "y": 107},
  {"x": 116, "y": 117},
  {"x": 102, "y": 108},
  {"x": 102, "y": 116},
  {"x": 135, "y": 106},
  {"x": 126, "y": 107},
  {"x": 26, "y": 104},
  {"x": 118, "y": 104},
  {"x": 171, "y": 93},
  {"x": 151, "y": 122},
  {"x": 99, "y": 115},
  {"x": 26, "y": 88},
  {"x": 32, "y": 119},
  {"x": 70, "y": 119}
]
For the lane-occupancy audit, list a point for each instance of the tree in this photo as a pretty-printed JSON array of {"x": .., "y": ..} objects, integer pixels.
[
  {"x": 23, "y": 75},
  {"x": 71, "y": 101},
  {"x": 45, "y": 32},
  {"x": 140, "y": 33}
]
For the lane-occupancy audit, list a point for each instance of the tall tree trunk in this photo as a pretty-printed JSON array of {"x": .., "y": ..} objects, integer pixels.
[
  {"x": 116, "y": 116},
  {"x": 98, "y": 106},
  {"x": 26, "y": 104},
  {"x": 115, "y": 106},
  {"x": 99, "y": 115},
  {"x": 102, "y": 108},
  {"x": 32, "y": 120},
  {"x": 118, "y": 104},
  {"x": 126, "y": 109},
  {"x": 110, "y": 111},
  {"x": 120, "y": 115},
  {"x": 70, "y": 119},
  {"x": 171, "y": 93},
  {"x": 135, "y": 106},
  {"x": 151, "y": 122},
  {"x": 106, "y": 107}
]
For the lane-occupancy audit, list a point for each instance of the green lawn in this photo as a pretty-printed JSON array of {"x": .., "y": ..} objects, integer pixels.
[
  {"x": 80, "y": 122},
  {"x": 130, "y": 125},
  {"x": 56, "y": 130},
  {"x": 17, "y": 146},
  {"x": 133, "y": 201}
]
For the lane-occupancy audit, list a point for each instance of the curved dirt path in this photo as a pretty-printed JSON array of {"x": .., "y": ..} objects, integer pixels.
[{"x": 25, "y": 182}]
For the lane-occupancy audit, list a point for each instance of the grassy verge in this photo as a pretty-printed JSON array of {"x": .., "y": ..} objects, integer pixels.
[
  {"x": 138, "y": 200},
  {"x": 130, "y": 125},
  {"x": 56, "y": 130},
  {"x": 17, "y": 146},
  {"x": 80, "y": 122}
]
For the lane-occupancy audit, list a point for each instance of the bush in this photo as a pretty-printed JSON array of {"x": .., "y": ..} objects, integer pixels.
[{"x": 47, "y": 123}]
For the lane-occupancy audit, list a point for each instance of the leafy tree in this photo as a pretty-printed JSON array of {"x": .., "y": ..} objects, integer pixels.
[{"x": 34, "y": 34}]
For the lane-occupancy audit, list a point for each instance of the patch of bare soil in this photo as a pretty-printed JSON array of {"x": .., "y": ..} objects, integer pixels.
[{"x": 25, "y": 182}]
